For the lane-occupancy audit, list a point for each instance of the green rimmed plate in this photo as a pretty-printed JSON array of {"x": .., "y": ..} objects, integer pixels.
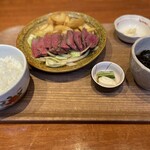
[{"x": 23, "y": 45}]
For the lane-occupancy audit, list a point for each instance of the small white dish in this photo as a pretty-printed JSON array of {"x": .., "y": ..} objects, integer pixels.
[
  {"x": 131, "y": 27},
  {"x": 108, "y": 66}
]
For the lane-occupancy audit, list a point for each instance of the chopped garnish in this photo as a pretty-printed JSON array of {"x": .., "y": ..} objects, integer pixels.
[{"x": 109, "y": 74}]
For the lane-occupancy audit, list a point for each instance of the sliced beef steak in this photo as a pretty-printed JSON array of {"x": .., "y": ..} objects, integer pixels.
[
  {"x": 38, "y": 48},
  {"x": 63, "y": 44},
  {"x": 41, "y": 47},
  {"x": 78, "y": 40},
  {"x": 35, "y": 51},
  {"x": 91, "y": 40},
  {"x": 70, "y": 40},
  {"x": 84, "y": 34},
  {"x": 56, "y": 40},
  {"x": 47, "y": 41},
  {"x": 57, "y": 43}
]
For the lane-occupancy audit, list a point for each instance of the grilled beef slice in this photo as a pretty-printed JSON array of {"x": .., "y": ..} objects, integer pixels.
[
  {"x": 84, "y": 34},
  {"x": 35, "y": 51},
  {"x": 38, "y": 48},
  {"x": 56, "y": 40},
  {"x": 91, "y": 40},
  {"x": 70, "y": 40},
  {"x": 47, "y": 41},
  {"x": 63, "y": 44},
  {"x": 41, "y": 47},
  {"x": 78, "y": 40}
]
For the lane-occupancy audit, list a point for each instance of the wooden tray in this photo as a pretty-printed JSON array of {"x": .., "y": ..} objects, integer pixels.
[{"x": 73, "y": 97}]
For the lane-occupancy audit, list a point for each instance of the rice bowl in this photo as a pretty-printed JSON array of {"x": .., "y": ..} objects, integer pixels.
[{"x": 14, "y": 75}]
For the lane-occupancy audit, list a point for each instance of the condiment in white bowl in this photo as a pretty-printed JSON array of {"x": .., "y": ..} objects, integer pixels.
[
  {"x": 131, "y": 27},
  {"x": 112, "y": 75}
]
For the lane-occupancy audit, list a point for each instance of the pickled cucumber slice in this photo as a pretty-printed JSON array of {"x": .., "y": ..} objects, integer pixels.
[{"x": 109, "y": 74}]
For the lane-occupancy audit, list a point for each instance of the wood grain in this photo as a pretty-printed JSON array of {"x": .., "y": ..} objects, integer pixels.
[
  {"x": 75, "y": 136},
  {"x": 73, "y": 97},
  {"x": 83, "y": 136}
]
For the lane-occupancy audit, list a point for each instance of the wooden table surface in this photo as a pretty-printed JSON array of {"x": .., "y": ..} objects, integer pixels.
[{"x": 72, "y": 136}]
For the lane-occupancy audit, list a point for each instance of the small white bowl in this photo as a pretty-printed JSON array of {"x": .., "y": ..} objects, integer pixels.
[
  {"x": 17, "y": 89},
  {"x": 140, "y": 72},
  {"x": 108, "y": 66},
  {"x": 131, "y": 27}
]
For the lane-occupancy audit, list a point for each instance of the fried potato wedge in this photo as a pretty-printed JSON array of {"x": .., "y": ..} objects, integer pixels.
[
  {"x": 42, "y": 30},
  {"x": 61, "y": 22},
  {"x": 61, "y": 28},
  {"x": 87, "y": 27},
  {"x": 75, "y": 22},
  {"x": 59, "y": 18},
  {"x": 50, "y": 21}
]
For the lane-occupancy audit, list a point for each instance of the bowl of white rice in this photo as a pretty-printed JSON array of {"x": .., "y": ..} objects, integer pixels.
[{"x": 14, "y": 75}]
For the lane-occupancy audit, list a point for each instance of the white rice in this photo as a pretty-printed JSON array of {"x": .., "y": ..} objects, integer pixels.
[{"x": 10, "y": 71}]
